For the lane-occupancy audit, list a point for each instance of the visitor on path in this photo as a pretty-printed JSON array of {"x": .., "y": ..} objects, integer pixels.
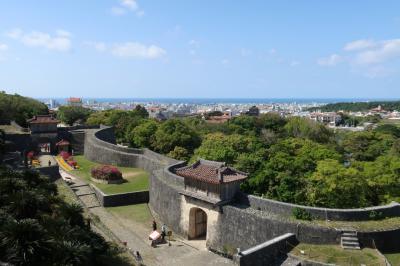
[
  {"x": 138, "y": 258},
  {"x": 163, "y": 231},
  {"x": 154, "y": 225},
  {"x": 49, "y": 163}
]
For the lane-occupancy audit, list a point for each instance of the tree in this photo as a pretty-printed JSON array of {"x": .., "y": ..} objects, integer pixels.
[
  {"x": 143, "y": 134},
  {"x": 19, "y": 108},
  {"x": 179, "y": 153},
  {"x": 174, "y": 133},
  {"x": 72, "y": 114},
  {"x": 366, "y": 145},
  {"x": 334, "y": 186},
  {"x": 227, "y": 148},
  {"x": 305, "y": 128}
]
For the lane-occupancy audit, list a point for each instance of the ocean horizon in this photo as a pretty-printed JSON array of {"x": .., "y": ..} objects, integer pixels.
[{"x": 222, "y": 100}]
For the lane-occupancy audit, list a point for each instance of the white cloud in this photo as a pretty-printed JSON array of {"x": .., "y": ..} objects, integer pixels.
[
  {"x": 332, "y": 60},
  {"x": 98, "y": 46},
  {"x": 137, "y": 50},
  {"x": 131, "y": 4},
  {"x": 60, "y": 41},
  {"x": 194, "y": 43},
  {"x": 359, "y": 45},
  {"x": 385, "y": 51},
  {"x": 272, "y": 51},
  {"x": 294, "y": 63},
  {"x": 118, "y": 11},
  {"x": 14, "y": 33},
  {"x": 126, "y": 6},
  {"x": 3, "y": 47}
]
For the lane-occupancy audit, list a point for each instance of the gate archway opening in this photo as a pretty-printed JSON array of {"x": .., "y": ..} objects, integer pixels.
[{"x": 197, "y": 224}]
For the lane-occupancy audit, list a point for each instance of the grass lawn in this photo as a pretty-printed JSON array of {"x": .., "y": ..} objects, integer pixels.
[
  {"x": 393, "y": 258},
  {"x": 335, "y": 254},
  {"x": 137, "y": 179},
  {"x": 138, "y": 213}
]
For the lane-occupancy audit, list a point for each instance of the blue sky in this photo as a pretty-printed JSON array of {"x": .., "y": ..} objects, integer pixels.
[{"x": 206, "y": 49}]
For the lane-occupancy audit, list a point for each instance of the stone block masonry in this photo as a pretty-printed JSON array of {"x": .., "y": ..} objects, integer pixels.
[
  {"x": 121, "y": 199},
  {"x": 245, "y": 224}
]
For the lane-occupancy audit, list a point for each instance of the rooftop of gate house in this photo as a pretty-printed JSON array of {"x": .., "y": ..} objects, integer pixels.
[
  {"x": 211, "y": 172},
  {"x": 43, "y": 119}
]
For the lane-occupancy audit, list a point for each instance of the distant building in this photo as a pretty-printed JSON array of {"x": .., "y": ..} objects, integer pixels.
[
  {"x": 218, "y": 119},
  {"x": 253, "y": 111},
  {"x": 73, "y": 101},
  {"x": 326, "y": 118}
]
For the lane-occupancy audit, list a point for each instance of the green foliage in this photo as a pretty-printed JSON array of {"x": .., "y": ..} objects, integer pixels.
[
  {"x": 301, "y": 214},
  {"x": 143, "y": 134},
  {"x": 19, "y": 108},
  {"x": 375, "y": 215},
  {"x": 334, "y": 186},
  {"x": 174, "y": 133},
  {"x": 179, "y": 153},
  {"x": 389, "y": 129},
  {"x": 304, "y": 128},
  {"x": 227, "y": 148},
  {"x": 72, "y": 114},
  {"x": 38, "y": 228},
  {"x": 358, "y": 106},
  {"x": 123, "y": 121},
  {"x": 366, "y": 145}
]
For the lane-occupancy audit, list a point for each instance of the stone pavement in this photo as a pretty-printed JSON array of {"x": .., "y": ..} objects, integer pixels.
[
  {"x": 181, "y": 252},
  {"x": 44, "y": 160}
]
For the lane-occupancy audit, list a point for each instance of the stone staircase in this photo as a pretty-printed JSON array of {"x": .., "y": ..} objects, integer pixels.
[
  {"x": 349, "y": 239},
  {"x": 84, "y": 192}
]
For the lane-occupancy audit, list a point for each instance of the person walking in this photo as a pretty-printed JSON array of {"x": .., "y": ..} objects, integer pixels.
[
  {"x": 163, "y": 231},
  {"x": 138, "y": 258},
  {"x": 49, "y": 163},
  {"x": 154, "y": 225}
]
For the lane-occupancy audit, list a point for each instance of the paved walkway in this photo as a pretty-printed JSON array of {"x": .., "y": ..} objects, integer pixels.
[
  {"x": 44, "y": 160},
  {"x": 181, "y": 252}
]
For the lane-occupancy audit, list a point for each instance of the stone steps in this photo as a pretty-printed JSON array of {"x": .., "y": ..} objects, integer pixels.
[
  {"x": 85, "y": 193},
  {"x": 349, "y": 239}
]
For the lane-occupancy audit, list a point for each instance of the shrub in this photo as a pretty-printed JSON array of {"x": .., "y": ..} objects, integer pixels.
[
  {"x": 374, "y": 215},
  {"x": 106, "y": 172},
  {"x": 301, "y": 214}
]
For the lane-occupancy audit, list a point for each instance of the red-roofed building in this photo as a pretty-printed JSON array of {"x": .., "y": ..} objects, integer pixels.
[
  {"x": 210, "y": 181},
  {"x": 43, "y": 124},
  {"x": 62, "y": 145},
  {"x": 74, "y": 101}
]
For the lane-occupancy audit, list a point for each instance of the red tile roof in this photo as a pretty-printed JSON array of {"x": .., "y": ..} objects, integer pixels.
[
  {"x": 74, "y": 100},
  {"x": 62, "y": 142},
  {"x": 43, "y": 119},
  {"x": 211, "y": 172}
]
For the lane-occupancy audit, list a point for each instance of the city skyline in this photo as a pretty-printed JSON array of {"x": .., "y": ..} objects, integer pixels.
[{"x": 154, "y": 49}]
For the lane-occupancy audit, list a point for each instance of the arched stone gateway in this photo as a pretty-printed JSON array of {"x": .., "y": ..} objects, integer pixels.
[{"x": 197, "y": 224}]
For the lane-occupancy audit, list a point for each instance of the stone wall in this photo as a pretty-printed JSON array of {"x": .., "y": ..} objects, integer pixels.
[
  {"x": 120, "y": 199},
  {"x": 267, "y": 253},
  {"x": 52, "y": 172},
  {"x": 286, "y": 209},
  {"x": 247, "y": 223}
]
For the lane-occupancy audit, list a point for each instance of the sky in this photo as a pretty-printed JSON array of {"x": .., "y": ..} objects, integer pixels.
[{"x": 200, "y": 49}]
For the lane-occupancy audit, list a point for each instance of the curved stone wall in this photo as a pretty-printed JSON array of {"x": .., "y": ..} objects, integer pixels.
[
  {"x": 286, "y": 209},
  {"x": 250, "y": 221}
]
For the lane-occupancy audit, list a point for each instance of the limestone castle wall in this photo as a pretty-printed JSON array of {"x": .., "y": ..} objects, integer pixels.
[{"x": 249, "y": 222}]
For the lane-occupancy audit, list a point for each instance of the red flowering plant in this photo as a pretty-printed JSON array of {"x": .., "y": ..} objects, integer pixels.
[
  {"x": 65, "y": 155},
  {"x": 30, "y": 155},
  {"x": 106, "y": 172}
]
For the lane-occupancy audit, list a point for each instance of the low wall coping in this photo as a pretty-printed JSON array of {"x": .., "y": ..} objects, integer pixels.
[{"x": 266, "y": 244}]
